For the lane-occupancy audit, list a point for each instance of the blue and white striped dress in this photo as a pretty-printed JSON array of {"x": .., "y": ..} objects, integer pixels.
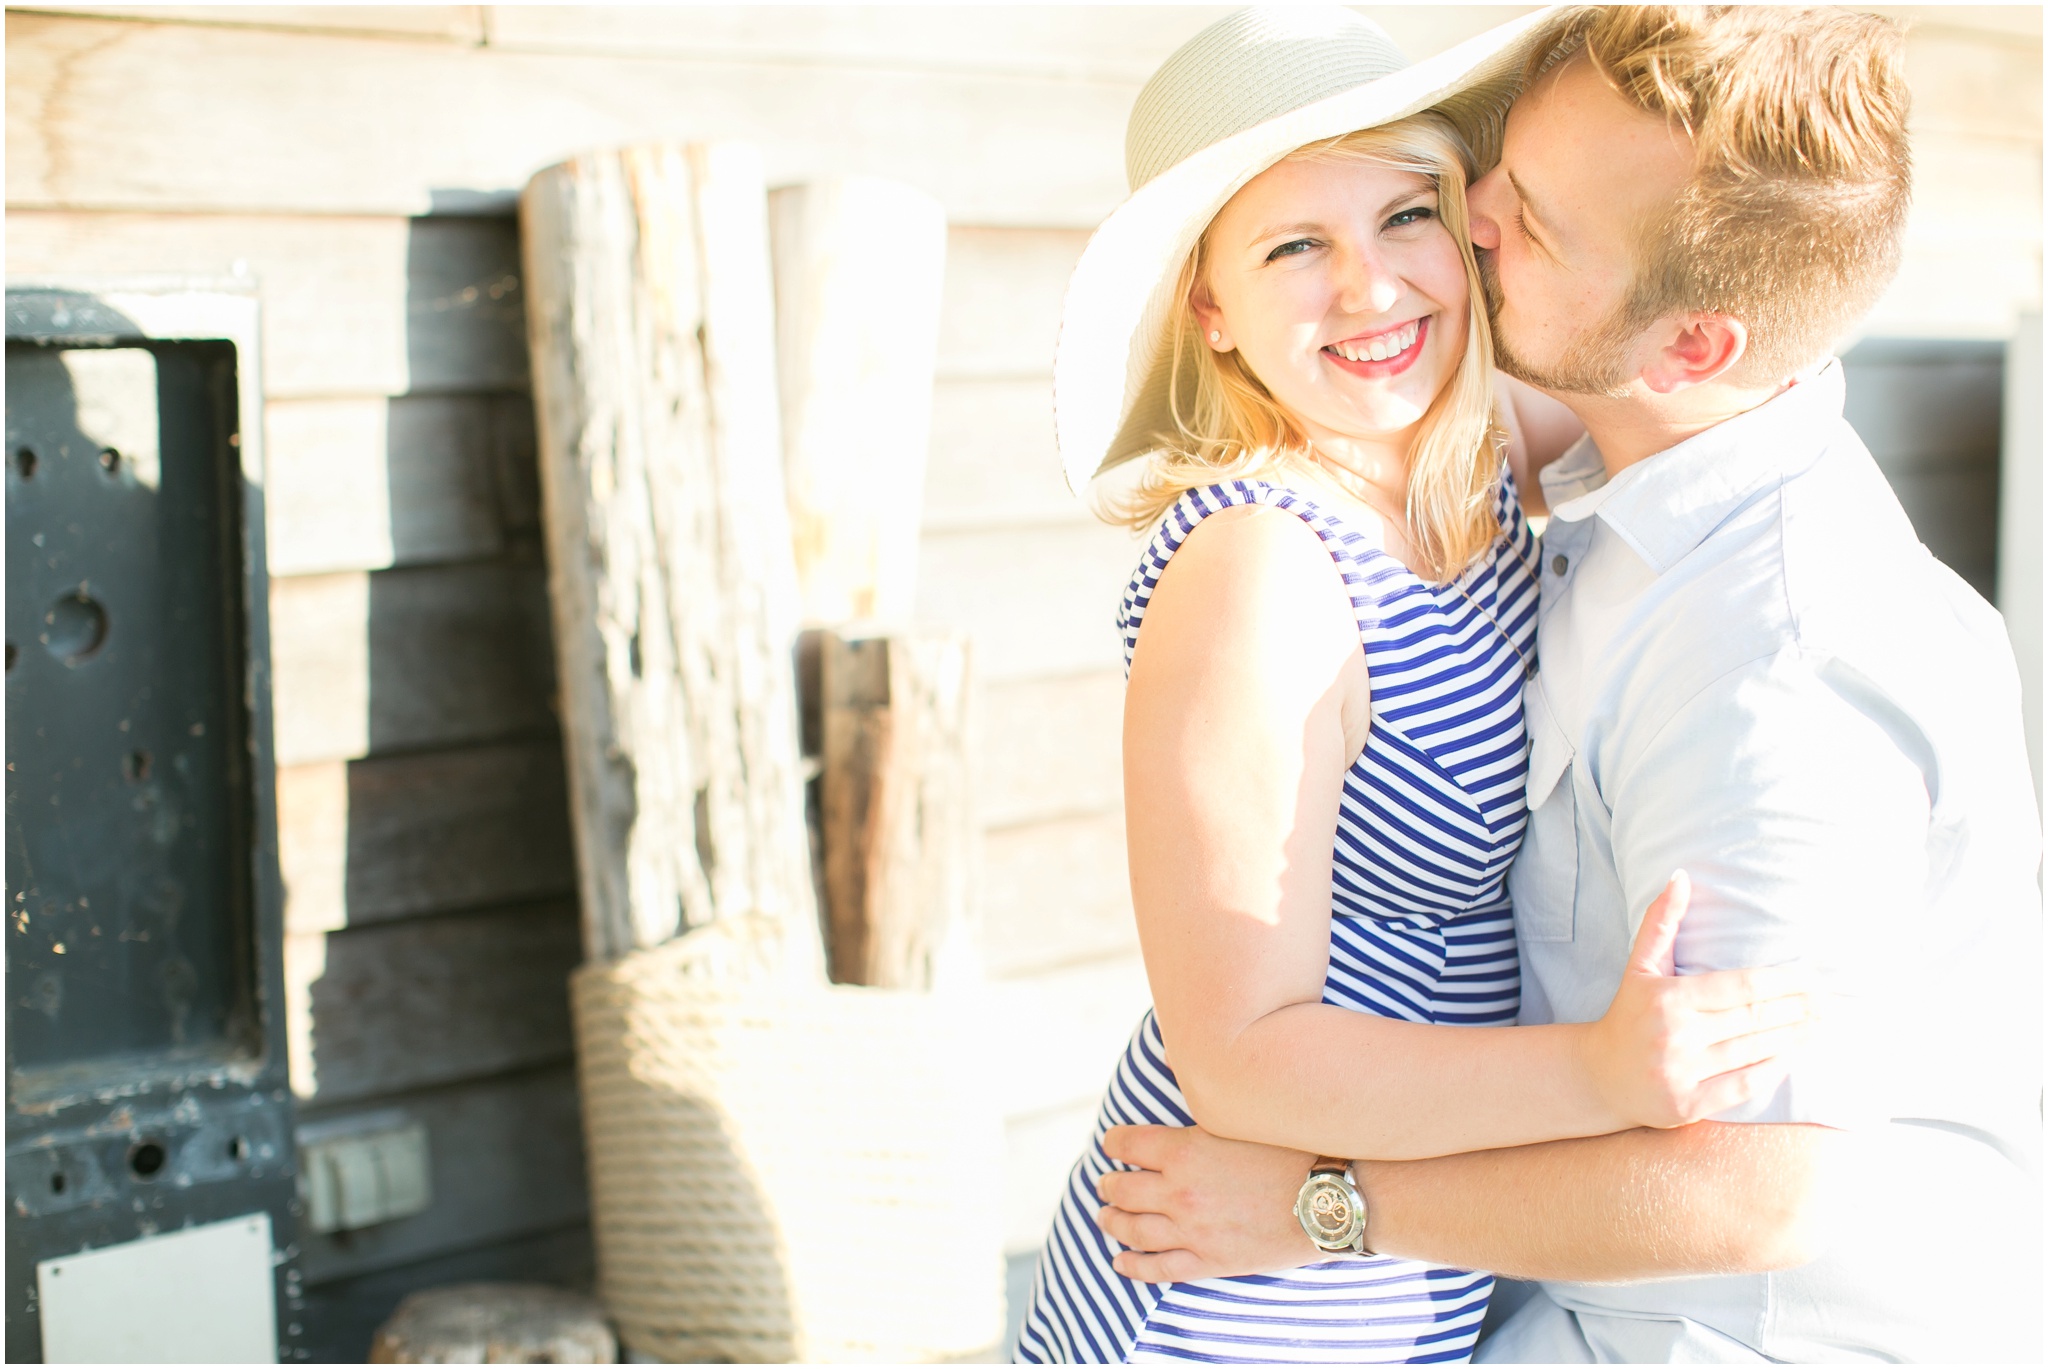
[{"x": 1420, "y": 929}]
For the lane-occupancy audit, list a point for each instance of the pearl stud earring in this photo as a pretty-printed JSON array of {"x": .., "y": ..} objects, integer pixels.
[{"x": 1215, "y": 335}]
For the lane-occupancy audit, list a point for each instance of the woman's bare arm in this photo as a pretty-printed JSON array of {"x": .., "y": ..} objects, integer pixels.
[{"x": 1247, "y": 704}]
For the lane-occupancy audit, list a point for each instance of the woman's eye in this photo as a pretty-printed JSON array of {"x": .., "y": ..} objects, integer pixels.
[
  {"x": 1408, "y": 217},
  {"x": 1291, "y": 249}
]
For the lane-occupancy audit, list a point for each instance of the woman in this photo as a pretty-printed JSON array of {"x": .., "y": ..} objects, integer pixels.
[{"x": 1326, "y": 640}]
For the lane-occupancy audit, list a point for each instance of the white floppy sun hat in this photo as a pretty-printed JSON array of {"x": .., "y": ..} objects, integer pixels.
[{"x": 1235, "y": 99}]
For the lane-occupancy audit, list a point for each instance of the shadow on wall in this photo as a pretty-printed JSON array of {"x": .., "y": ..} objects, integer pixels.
[
  {"x": 1931, "y": 412},
  {"x": 444, "y": 992}
]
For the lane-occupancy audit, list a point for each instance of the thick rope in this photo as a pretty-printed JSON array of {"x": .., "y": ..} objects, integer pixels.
[{"x": 786, "y": 1171}]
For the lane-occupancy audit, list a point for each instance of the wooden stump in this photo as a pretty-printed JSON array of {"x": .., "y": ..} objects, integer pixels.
[
  {"x": 650, "y": 315},
  {"x": 897, "y": 806},
  {"x": 495, "y": 1323}
]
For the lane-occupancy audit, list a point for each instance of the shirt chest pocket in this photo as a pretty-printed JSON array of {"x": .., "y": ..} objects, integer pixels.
[{"x": 1545, "y": 883}]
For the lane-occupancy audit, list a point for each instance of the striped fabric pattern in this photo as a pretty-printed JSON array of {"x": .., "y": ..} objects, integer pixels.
[{"x": 1420, "y": 930}]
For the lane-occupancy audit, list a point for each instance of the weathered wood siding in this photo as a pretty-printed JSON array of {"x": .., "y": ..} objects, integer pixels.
[{"x": 361, "y": 165}]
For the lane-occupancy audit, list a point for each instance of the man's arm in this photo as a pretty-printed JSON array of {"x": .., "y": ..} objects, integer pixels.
[{"x": 1712, "y": 1198}]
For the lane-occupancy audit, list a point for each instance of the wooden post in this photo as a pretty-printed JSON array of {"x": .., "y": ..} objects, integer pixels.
[
  {"x": 897, "y": 805},
  {"x": 859, "y": 266},
  {"x": 670, "y": 570}
]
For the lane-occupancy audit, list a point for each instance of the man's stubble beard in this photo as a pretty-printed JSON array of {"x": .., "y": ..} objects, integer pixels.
[{"x": 1595, "y": 363}]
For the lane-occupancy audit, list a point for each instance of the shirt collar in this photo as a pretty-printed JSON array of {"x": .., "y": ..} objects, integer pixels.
[{"x": 1665, "y": 505}]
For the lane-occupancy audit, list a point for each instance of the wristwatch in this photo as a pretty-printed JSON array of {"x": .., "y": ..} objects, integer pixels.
[{"x": 1331, "y": 1209}]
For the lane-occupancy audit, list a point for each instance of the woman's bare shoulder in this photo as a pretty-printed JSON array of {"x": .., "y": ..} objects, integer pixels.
[{"x": 1255, "y": 582}]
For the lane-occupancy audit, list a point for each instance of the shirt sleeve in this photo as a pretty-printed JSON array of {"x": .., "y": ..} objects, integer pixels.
[{"x": 1803, "y": 823}]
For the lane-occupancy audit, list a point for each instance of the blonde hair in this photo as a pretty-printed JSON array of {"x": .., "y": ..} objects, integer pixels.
[
  {"x": 1793, "y": 218},
  {"x": 1231, "y": 427}
]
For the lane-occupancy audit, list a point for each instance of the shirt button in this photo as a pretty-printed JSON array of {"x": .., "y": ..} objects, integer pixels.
[{"x": 1558, "y": 564}]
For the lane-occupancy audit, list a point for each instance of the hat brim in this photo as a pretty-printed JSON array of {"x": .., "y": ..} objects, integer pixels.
[{"x": 1111, "y": 368}]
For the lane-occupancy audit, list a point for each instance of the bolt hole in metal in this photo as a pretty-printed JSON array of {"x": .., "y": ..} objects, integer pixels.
[
  {"x": 57, "y": 1182},
  {"x": 238, "y": 1149},
  {"x": 77, "y": 625},
  {"x": 135, "y": 766},
  {"x": 110, "y": 461},
  {"x": 146, "y": 1160},
  {"x": 25, "y": 462},
  {"x": 10, "y": 655}
]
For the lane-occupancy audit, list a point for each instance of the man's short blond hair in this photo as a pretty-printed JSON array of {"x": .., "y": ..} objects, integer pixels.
[{"x": 1793, "y": 218}]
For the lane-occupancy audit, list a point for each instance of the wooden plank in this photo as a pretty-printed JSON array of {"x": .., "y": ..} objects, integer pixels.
[
  {"x": 1057, "y": 1038},
  {"x": 1964, "y": 83},
  {"x": 351, "y": 305},
  {"x": 398, "y": 836},
  {"x": 505, "y": 1159},
  {"x": 454, "y": 23},
  {"x": 1055, "y": 893},
  {"x": 896, "y": 801},
  {"x": 671, "y": 570},
  {"x": 1051, "y": 748},
  {"x": 1001, "y": 311},
  {"x": 1038, "y": 1156},
  {"x": 404, "y": 659},
  {"x": 1034, "y": 601},
  {"x": 2002, "y": 175},
  {"x": 102, "y": 114},
  {"x": 1058, "y": 1032},
  {"x": 859, "y": 264},
  {"x": 1117, "y": 44},
  {"x": 367, "y": 483},
  {"x": 1123, "y": 43},
  {"x": 408, "y": 1005},
  {"x": 994, "y": 462},
  {"x": 1959, "y": 290},
  {"x": 2006, "y": 21}
]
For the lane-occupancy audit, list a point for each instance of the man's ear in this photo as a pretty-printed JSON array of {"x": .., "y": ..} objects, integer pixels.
[{"x": 1696, "y": 349}]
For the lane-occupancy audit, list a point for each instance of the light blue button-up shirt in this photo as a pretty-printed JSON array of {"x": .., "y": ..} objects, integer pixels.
[{"x": 1752, "y": 670}]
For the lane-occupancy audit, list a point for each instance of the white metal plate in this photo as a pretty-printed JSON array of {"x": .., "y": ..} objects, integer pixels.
[{"x": 201, "y": 1295}]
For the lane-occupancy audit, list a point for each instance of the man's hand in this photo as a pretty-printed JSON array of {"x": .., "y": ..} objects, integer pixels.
[
  {"x": 1672, "y": 1050},
  {"x": 1200, "y": 1207}
]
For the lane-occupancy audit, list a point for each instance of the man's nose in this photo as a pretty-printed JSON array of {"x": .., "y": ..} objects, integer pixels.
[{"x": 1479, "y": 208}]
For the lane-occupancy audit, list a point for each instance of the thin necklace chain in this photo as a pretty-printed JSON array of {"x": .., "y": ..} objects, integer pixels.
[{"x": 1528, "y": 663}]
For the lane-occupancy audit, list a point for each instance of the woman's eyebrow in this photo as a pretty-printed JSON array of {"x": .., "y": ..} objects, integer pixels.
[{"x": 1280, "y": 230}]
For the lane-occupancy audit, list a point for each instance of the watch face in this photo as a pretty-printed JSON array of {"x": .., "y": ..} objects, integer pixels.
[{"x": 1330, "y": 1211}]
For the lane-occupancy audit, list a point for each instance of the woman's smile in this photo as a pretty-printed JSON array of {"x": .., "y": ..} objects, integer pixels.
[
  {"x": 1379, "y": 355},
  {"x": 1340, "y": 290}
]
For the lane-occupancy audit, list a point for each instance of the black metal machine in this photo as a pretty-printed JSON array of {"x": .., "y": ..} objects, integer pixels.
[{"x": 146, "y": 1061}]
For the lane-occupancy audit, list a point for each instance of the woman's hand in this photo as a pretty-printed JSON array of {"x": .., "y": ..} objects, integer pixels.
[
  {"x": 1201, "y": 1207},
  {"x": 1676, "y": 1049}
]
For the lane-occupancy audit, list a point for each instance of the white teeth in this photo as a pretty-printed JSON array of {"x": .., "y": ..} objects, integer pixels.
[{"x": 1380, "y": 348}]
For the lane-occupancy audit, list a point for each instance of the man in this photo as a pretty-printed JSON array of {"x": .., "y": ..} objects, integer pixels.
[{"x": 1751, "y": 670}]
